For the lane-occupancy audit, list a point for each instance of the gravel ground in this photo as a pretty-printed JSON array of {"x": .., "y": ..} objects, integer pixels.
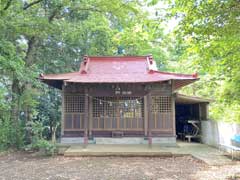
[{"x": 21, "y": 166}]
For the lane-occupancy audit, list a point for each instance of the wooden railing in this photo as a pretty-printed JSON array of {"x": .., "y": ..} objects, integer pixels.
[
  {"x": 74, "y": 121},
  {"x": 162, "y": 121}
]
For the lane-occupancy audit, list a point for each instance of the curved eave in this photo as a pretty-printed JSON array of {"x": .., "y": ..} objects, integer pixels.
[
  {"x": 56, "y": 80},
  {"x": 53, "y": 83},
  {"x": 179, "y": 80},
  {"x": 179, "y": 83}
]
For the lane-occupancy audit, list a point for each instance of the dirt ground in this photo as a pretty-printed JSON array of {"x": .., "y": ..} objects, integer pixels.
[{"x": 22, "y": 166}]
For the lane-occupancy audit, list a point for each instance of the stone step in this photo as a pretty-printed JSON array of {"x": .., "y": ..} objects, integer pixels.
[
  {"x": 124, "y": 140},
  {"x": 75, "y": 140},
  {"x": 118, "y": 154},
  {"x": 168, "y": 141}
]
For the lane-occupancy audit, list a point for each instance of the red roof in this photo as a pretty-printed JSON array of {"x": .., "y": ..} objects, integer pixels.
[{"x": 126, "y": 69}]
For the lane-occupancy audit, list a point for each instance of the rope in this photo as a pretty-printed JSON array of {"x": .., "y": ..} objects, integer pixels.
[{"x": 114, "y": 102}]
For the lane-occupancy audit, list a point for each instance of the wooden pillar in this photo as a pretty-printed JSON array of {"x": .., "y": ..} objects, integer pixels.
[
  {"x": 173, "y": 108},
  {"x": 207, "y": 111},
  {"x": 199, "y": 111},
  {"x": 63, "y": 110},
  {"x": 149, "y": 105},
  {"x": 86, "y": 113},
  {"x": 145, "y": 116},
  {"x": 90, "y": 116}
]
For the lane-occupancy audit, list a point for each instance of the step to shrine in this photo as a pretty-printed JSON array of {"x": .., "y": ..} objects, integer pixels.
[{"x": 165, "y": 141}]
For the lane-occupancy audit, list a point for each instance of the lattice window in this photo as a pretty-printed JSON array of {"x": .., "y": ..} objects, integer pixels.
[
  {"x": 74, "y": 103},
  {"x": 161, "y": 104}
]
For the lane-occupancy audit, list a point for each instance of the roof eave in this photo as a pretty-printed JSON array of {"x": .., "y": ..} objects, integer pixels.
[{"x": 191, "y": 99}]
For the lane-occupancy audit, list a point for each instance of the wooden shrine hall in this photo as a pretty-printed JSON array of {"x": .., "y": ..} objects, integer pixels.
[{"x": 118, "y": 97}]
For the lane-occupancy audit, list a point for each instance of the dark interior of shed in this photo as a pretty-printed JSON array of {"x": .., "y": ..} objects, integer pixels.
[{"x": 184, "y": 113}]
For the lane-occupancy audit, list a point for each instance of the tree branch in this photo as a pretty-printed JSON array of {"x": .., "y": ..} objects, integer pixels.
[
  {"x": 51, "y": 17},
  {"x": 7, "y": 5},
  {"x": 54, "y": 14},
  {"x": 93, "y": 9},
  {"x": 30, "y": 50},
  {"x": 31, "y": 4}
]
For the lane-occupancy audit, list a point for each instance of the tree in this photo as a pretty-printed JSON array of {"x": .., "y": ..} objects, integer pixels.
[
  {"x": 51, "y": 36},
  {"x": 210, "y": 33}
]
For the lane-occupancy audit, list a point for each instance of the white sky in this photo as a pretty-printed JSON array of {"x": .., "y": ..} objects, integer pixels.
[{"x": 160, "y": 8}]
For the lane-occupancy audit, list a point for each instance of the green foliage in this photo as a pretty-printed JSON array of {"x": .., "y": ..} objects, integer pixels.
[
  {"x": 51, "y": 37},
  {"x": 38, "y": 141},
  {"x": 43, "y": 146},
  {"x": 10, "y": 137},
  {"x": 48, "y": 111},
  {"x": 46, "y": 147},
  {"x": 5, "y": 134},
  {"x": 210, "y": 36}
]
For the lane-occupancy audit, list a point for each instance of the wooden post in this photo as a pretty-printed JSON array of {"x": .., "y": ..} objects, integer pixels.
[
  {"x": 90, "y": 116},
  {"x": 86, "y": 117},
  {"x": 149, "y": 105},
  {"x": 63, "y": 110},
  {"x": 207, "y": 111},
  {"x": 173, "y": 108},
  {"x": 150, "y": 141},
  {"x": 145, "y": 116},
  {"x": 199, "y": 111}
]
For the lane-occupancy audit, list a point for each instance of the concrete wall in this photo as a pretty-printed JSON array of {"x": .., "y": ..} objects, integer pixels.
[{"x": 214, "y": 133}]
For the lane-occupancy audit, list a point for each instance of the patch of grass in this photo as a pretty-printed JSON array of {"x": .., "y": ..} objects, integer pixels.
[
  {"x": 5, "y": 151},
  {"x": 234, "y": 177}
]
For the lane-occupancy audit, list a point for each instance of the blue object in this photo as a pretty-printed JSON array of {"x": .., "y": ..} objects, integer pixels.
[{"x": 236, "y": 138}]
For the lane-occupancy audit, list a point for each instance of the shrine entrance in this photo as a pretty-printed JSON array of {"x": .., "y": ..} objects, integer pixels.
[{"x": 118, "y": 113}]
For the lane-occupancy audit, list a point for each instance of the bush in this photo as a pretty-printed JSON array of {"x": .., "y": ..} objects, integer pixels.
[
  {"x": 10, "y": 135},
  {"x": 5, "y": 134},
  {"x": 38, "y": 142},
  {"x": 44, "y": 147}
]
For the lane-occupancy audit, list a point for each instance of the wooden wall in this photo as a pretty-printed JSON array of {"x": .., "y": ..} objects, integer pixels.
[{"x": 151, "y": 110}]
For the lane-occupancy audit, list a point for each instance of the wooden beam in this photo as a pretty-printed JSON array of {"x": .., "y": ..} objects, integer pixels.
[{"x": 145, "y": 116}]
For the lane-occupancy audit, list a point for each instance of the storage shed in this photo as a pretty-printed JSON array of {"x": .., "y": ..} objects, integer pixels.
[{"x": 190, "y": 112}]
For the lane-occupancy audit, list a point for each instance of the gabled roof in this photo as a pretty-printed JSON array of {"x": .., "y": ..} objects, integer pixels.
[{"x": 120, "y": 69}]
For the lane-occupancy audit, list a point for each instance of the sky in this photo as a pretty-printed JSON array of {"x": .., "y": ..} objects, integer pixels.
[{"x": 160, "y": 8}]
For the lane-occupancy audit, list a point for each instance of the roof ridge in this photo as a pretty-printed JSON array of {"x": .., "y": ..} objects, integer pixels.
[{"x": 128, "y": 56}]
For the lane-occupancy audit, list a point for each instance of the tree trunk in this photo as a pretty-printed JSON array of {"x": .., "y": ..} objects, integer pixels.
[
  {"x": 54, "y": 133},
  {"x": 15, "y": 101},
  {"x": 15, "y": 105}
]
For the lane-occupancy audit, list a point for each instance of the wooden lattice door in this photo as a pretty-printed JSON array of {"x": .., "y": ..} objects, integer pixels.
[
  {"x": 74, "y": 112},
  {"x": 117, "y": 113},
  {"x": 162, "y": 117}
]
